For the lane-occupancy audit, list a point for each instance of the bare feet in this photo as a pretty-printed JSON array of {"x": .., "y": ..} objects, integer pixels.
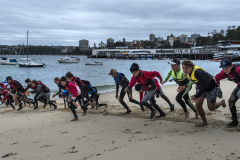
[
  {"x": 75, "y": 119},
  {"x": 7, "y": 106},
  {"x": 84, "y": 113},
  {"x": 196, "y": 115},
  {"x": 94, "y": 103},
  {"x": 186, "y": 115},
  {"x": 223, "y": 103},
  {"x": 201, "y": 124},
  {"x": 106, "y": 105}
]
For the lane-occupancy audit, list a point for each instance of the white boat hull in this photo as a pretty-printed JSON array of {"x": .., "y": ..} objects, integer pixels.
[
  {"x": 31, "y": 64},
  {"x": 8, "y": 63},
  {"x": 67, "y": 61},
  {"x": 94, "y": 63}
]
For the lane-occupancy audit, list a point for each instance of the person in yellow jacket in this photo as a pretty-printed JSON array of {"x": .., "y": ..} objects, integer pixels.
[
  {"x": 182, "y": 80},
  {"x": 206, "y": 88}
]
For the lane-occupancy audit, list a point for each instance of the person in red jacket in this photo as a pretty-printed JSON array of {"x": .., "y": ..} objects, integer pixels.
[
  {"x": 2, "y": 86},
  {"x": 71, "y": 87},
  {"x": 6, "y": 97},
  {"x": 145, "y": 79},
  {"x": 232, "y": 73}
]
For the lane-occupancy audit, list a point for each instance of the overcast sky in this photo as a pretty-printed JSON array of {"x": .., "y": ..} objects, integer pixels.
[{"x": 58, "y": 22}]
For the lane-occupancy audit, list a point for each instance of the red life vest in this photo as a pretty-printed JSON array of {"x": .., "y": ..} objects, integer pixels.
[
  {"x": 74, "y": 91},
  {"x": 43, "y": 86},
  {"x": 74, "y": 79},
  {"x": 148, "y": 84},
  {"x": 14, "y": 86},
  {"x": 3, "y": 86},
  {"x": 5, "y": 94},
  {"x": 236, "y": 76}
]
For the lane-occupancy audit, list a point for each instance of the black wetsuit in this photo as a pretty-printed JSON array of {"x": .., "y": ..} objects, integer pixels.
[
  {"x": 123, "y": 82},
  {"x": 61, "y": 87}
]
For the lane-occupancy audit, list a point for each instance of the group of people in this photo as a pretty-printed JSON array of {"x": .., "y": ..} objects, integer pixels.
[
  {"x": 72, "y": 89},
  {"x": 207, "y": 87}
]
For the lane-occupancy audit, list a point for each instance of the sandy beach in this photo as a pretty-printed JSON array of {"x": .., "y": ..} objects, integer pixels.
[{"x": 108, "y": 133}]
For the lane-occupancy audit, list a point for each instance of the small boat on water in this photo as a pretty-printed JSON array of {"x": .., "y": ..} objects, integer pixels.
[
  {"x": 31, "y": 64},
  {"x": 69, "y": 60},
  {"x": 94, "y": 63},
  {"x": 8, "y": 61}
]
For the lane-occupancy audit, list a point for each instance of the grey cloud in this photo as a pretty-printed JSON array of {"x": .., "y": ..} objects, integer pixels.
[{"x": 59, "y": 22}]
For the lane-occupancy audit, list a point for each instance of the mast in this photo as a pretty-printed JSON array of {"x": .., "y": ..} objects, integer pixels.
[{"x": 27, "y": 46}]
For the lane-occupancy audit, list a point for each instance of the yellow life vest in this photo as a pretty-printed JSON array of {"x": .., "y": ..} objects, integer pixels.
[
  {"x": 192, "y": 77},
  {"x": 178, "y": 77}
]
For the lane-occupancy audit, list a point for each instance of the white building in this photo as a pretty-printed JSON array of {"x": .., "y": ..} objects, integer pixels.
[{"x": 183, "y": 38}]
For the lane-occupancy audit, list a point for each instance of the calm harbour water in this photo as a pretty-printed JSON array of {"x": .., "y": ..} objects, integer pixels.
[{"x": 96, "y": 74}]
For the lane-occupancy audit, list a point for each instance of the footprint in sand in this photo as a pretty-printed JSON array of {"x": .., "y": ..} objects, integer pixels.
[
  {"x": 37, "y": 142},
  {"x": 138, "y": 132},
  {"x": 146, "y": 124},
  {"x": 9, "y": 155},
  {"x": 15, "y": 143},
  {"x": 127, "y": 131},
  {"x": 64, "y": 132},
  {"x": 46, "y": 146},
  {"x": 70, "y": 151}
]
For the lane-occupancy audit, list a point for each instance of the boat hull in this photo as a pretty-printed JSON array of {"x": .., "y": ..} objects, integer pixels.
[
  {"x": 64, "y": 61},
  {"x": 8, "y": 63},
  {"x": 30, "y": 65}
]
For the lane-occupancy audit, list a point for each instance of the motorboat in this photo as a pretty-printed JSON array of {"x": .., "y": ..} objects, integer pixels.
[
  {"x": 94, "y": 63},
  {"x": 31, "y": 64},
  {"x": 69, "y": 60},
  {"x": 8, "y": 61}
]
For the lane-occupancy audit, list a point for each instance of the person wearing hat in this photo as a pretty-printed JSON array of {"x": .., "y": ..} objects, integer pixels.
[
  {"x": 182, "y": 80},
  {"x": 206, "y": 89},
  {"x": 232, "y": 73},
  {"x": 121, "y": 80}
]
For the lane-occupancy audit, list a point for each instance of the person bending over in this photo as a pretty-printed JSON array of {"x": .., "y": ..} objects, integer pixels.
[
  {"x": 206, "y": 89},
  {"x": 145, "y": 79},
  {"x": 121, "y": 80}
]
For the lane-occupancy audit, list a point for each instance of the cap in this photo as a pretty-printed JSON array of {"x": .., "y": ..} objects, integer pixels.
[
  {"x": 8, "y": 78},
  {"x": 112, "y": 71},
  {"x": 175, "y": 61},
  {"x": 225, "y": 63}
]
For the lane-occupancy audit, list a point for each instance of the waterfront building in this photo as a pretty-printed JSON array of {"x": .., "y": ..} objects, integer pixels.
[
  {"x": 83, "y": 45},
  {"x": 194, "y": 37},
  {"x": 151, "y": 37},
  {"x": 110, "y": 42},
  {"x": 171, "y": 40},
  {"x": 183, "y": 38}
]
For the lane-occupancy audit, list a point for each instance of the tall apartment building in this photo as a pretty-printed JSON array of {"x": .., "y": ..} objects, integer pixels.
[
  {"x": 195, "y": 36},
  {"x": 151, "y": 37},
  {"x": 171, "y": 40},
  {"x": 183, "y": 38},
  {"x": 159, "y": 39},
  {"x": 83, "y": 45},
  {"x": 110, "y": 42}
]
